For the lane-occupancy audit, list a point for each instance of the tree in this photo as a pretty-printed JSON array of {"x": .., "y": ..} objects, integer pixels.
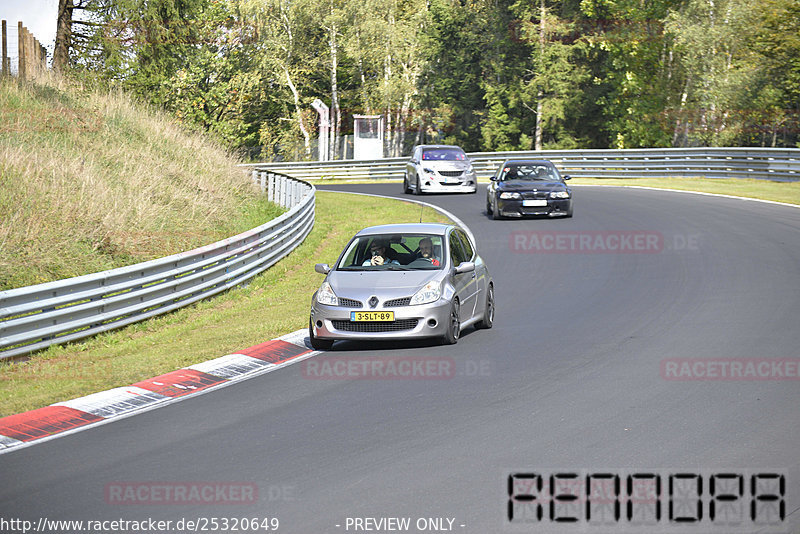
[
  {"x": 553, "y": 81},
  {"x": 632, "y": 66}
]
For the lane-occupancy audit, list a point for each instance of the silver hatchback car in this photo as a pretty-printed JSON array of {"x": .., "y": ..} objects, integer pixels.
[{"x": 402, "y": 281}]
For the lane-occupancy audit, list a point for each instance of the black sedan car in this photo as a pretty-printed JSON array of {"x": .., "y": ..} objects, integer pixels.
[{"x": 528, "y": 187}]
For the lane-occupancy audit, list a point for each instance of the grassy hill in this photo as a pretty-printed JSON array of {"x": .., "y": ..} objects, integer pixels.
[{"x": 90, "y": 181}]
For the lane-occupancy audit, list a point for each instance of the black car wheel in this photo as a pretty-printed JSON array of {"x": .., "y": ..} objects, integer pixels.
[
  {"x": 453, "y": 326},
  {"x": 488, "y": 312},
  {"x": 406, "y": 186},
  {"x": 317, "y": 343},
  {"x": 418, "y": 189}
]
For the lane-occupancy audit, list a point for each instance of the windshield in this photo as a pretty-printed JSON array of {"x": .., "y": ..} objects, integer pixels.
[
  {"x": 444, "y": 154},
  {"x": 530, "y": 172},
  {"x": 398, "y": 252}
]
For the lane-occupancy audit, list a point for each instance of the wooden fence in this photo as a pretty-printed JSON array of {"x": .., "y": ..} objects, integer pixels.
[{"x": 31, "y": 55}]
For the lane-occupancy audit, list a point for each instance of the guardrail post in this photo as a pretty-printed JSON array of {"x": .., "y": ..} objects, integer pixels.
[
  {"x": 263, "y": 182},
  {"x": 271, "y": 187}
]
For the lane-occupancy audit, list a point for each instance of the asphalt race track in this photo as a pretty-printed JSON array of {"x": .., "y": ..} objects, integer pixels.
[{"x": 653, "y": 333}]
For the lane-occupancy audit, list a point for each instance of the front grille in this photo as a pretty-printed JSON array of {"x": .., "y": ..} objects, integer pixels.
[
  {"x": 375, "y": 326},
  {"x": 397, "y": 302},
  {"x": 349, "y": 303},
  {"x": 451, "y": 174},
  {"x": 535, "y": 195}
]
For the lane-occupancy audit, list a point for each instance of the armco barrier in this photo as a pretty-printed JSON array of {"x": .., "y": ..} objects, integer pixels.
[
  {"x": 776, "y": 164},
  {"x": 37, "y": 316}
]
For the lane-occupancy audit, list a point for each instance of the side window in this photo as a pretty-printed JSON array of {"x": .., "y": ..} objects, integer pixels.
[
  {"x": 456, "y": 250},
  {"x": 467, "y": 247}
]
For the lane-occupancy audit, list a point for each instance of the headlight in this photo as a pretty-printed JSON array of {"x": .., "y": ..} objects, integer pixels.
[
  {"x": 429, "y": 293},
  {"x": 325, "y": 295},
  {"x": 428, "y": 171},
  {"x": 470, "y": 169},
  {"x": 559, "y": 194},
  {"x": 510, "y": 196}
]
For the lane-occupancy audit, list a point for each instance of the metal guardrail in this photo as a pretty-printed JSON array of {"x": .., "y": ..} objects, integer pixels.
[
  {"x": 760, "y": 163},
  {"x": 36, "y": 317}
]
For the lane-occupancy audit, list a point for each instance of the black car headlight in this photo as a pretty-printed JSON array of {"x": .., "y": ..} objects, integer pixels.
[
  {"x": 510, "y": 195},
  {"x": 559, "y": 194}
]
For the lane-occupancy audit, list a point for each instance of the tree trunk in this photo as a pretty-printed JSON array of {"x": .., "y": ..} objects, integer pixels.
[
  {"x": 306, "y": 136},
  {"x": 63, "y": 35},
  {"x": 337, "y": 116},
  {"x": 540, "y": 94}
]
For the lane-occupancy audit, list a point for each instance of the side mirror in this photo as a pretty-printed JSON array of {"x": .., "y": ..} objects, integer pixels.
[
  {"x": 414, "y": 161},
  {"x": 567, "y": 177},
  {"x": 322, "y": 268},
  {"x": 493, "y": 178},
  {"x": 465, "y": 267}
]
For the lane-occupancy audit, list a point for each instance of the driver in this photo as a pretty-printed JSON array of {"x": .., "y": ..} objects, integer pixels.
[
  {"x": 426, "y": 250},
  {"x": 378, "y": 253}
]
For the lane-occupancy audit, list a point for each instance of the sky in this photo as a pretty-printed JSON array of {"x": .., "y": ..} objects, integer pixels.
[{"x": 39, "y": 16}]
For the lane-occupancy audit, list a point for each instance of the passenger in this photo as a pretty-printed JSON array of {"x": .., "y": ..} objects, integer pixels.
[
  {"x": 380, "y": 255},
  {"x": 426, "y": 251}
]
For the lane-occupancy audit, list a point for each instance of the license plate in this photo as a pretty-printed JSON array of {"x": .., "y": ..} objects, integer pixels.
[
  {"x": 534, "y": 203},
  {"x": 452, "y": 181},
  {"x": 372, "y": 316}
]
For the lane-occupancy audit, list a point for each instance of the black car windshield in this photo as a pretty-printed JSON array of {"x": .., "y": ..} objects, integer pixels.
[
  {"x": 530, "y": 172},
  {"x": 393, "y": 252},
  {"x": 444, "y": 154}
]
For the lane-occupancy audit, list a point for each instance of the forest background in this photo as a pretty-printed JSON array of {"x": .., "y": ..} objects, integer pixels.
[{"x": 489, "y": 75}]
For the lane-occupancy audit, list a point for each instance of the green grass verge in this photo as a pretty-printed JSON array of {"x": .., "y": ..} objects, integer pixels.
[
  {"x": 274, "y": 303},
  {"x": 90, "y": 181}
]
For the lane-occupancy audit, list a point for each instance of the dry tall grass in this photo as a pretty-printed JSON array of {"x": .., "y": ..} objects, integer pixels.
[{"x": 90, "y": 181}]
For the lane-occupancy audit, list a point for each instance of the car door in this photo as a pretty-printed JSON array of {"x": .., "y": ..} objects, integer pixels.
[
  {"x": 464, "y": 283},
  {"x": 479, "y": 278}
]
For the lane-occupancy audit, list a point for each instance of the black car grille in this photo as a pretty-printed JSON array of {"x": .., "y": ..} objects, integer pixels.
[
  {"x": 451, "y": 174},
  {"x": 528, "y": 195},
  {"x": 349, "y": 303},
  {"x": 394, "y": 303},
  {"x": 375, "y": 326}
]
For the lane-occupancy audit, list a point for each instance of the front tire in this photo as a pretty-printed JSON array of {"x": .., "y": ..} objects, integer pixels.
[
  {"x": 488, "y": 312},
  {"x": 418, "y": 189},
  {"x": 317, "y": 343},
  {"x": 406, "y": 185},
  {"x": 453, "y": 326},
  {"x": 496, "y": 212}
]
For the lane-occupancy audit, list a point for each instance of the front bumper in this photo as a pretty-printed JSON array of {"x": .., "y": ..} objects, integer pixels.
[
  {"x": 436, "y": 184},
  {"x": 554, "y": 208},
  {"x": 411, "y": 322}
]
